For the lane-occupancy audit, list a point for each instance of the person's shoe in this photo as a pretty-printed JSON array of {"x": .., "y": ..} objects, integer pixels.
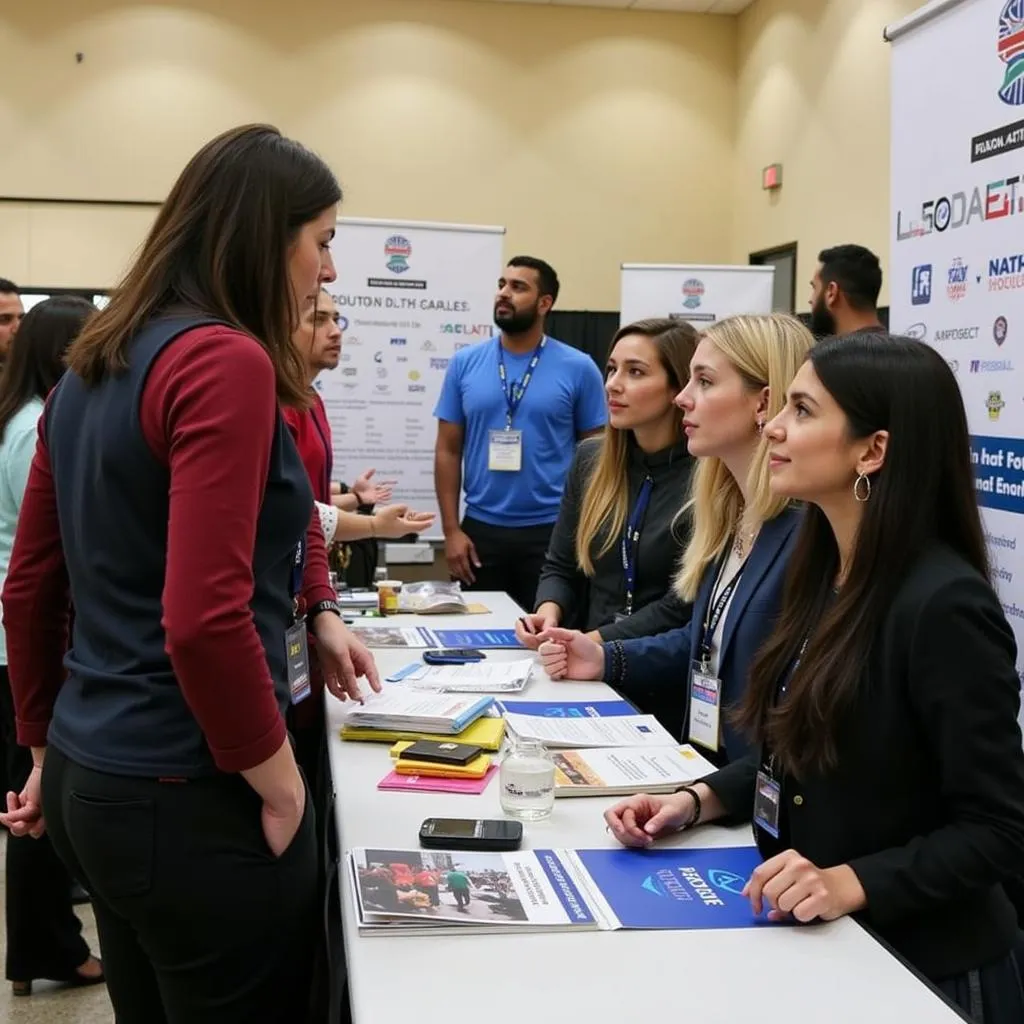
[{"x": 20, "y": 989}]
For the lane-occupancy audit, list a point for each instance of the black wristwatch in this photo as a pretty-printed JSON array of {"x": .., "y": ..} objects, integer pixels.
[{"x": 322, "y": 606}]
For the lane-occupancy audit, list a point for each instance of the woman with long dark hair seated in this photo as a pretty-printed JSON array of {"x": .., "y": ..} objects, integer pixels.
[
  {"x": 889, "y": 780},
  {"x": 44, "y": 937}
]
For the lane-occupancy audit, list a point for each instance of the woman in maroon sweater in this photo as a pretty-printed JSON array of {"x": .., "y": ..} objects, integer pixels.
[{"x": 167, "y": 497}]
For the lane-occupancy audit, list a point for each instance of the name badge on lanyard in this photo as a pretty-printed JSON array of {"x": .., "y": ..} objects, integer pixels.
[
  {"x": 631, "y": 541},
  {"x": 296, "y": 647},
  {"x": 705, "y": 686},
  {"x": 768, "y": 793},
  {"x": 505, "y": 447}
]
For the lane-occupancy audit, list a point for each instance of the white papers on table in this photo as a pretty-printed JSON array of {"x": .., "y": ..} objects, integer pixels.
[
  {"x": 624, "y": 731},
  {"x": 619, "y": 771},
  {"x": 405, "y": 710},
  {"x": 479, "y": 677}
]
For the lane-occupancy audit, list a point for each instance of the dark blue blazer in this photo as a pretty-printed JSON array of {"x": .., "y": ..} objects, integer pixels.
[{"x": 665, "y": 660}]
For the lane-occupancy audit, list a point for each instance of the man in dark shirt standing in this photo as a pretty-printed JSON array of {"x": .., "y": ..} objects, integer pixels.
[{"x": 844, "y": 291}]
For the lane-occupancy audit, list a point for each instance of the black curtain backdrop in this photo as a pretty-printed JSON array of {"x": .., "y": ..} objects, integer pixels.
[{"x": 589, "y": 331}]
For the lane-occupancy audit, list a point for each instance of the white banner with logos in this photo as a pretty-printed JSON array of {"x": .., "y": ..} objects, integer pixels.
[
  {"x": 957, "y": 262},
  {"x": 700, "y": 295},
  {"x": 410, "y": 295}
]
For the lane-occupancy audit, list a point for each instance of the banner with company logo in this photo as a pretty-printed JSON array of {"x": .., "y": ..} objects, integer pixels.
[
  {"x": 410, "y": 295},
  {"x": 700, "y": 295},
  {"x": 957, "y": 262}
]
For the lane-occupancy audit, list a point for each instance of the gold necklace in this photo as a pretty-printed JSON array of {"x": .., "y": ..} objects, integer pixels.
[{"x": 743, "y": 539}]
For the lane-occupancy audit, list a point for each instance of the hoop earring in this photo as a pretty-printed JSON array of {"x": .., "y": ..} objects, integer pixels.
[
  {"x": 760, "y": 425},
  {"x": 866, "y": 481}
]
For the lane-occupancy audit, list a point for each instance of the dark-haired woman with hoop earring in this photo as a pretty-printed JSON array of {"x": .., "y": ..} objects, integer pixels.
[
  {"x": 44, "y": 937},
  {"x": 889, "y": 781}
]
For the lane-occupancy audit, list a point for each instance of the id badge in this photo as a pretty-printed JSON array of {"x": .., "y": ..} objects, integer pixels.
[
  {"x": 705, "y": 707},
  {"x": 297, "y": 652},
  {"x": 767, "y": 800},
  {"x": 505, "y": 451}
]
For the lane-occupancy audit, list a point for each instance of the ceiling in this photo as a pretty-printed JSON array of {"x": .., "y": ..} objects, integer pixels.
[{"x": 691, "y": 6}]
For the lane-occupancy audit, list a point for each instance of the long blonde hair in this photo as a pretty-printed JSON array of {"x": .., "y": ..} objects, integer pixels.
[
  {"x": 604, "y": 506},
  {"x": 766, "y": 351}
]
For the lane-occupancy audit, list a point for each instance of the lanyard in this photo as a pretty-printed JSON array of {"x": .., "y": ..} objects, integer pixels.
[
  {"x": 714, "y": 614},
  {"x": 514, "y": 394},
  {"x": 631, "y": 540},
  {"x": 784, "y": 686},
  {"x": 298, "y": 564}
]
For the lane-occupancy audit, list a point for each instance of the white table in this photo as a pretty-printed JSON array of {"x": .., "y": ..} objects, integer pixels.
[{"x": 833, "y": 973}]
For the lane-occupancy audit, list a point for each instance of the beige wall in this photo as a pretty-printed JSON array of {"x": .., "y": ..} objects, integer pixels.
[
  {"x": 595, "y": 136},
  {"x": 813, "y": 94}
]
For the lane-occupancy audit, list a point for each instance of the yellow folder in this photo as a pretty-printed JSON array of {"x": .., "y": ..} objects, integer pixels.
[{"x": 486, "y": 733}]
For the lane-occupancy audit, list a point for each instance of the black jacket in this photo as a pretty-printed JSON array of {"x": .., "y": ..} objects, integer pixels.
[
  {"x": 591, "y": 603},
  {"x": 927, "y": 802}
]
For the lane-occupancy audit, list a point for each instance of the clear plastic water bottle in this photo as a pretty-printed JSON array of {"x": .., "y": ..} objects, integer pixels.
[{"x": 527, "y": 781}]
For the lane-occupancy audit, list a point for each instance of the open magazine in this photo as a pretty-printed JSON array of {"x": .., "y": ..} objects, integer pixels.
[{"x": 420, "y": 891}]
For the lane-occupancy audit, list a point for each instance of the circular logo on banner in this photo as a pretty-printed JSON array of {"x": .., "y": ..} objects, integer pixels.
[
  {"x": 999, "y": 329},
  {"x": 1011, "y": 52},
  {"x": 693, "y": 292},
  {"x": 398, "y": 249},
  {"x": 917, "y": 331},
  {"x": 343, "y": 323}
]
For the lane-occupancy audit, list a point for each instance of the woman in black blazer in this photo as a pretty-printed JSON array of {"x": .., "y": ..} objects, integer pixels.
[{"x": 889, "y": 780}]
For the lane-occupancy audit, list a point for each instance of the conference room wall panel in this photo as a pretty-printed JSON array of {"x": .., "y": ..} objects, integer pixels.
[
  {"x": 595, "y": 136},
  {"x": 813, "y": 94}
]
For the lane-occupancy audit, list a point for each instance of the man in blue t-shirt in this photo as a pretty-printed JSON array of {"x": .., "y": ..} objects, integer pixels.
[{"x": 510, "y": 413}]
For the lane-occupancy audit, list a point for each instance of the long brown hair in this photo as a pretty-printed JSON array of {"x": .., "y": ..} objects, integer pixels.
[
  {"x": 219, "y": 247},
  {"x": 603, "y": 508},
  {"x": 924, "y": 494},
  {"x": 35, "y": 359}
]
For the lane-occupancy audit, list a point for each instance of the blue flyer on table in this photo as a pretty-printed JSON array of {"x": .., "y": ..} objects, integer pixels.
[
  {"x": 479, "y": 638},
  {"x": 569, "y": 709},
  {"x": 680, "y": 889}
]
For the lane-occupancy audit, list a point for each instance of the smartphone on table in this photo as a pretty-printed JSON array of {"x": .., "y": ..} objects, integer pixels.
[{"x": 493, "y": 835}]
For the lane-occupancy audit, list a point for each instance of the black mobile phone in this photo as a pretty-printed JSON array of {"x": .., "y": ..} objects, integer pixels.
[
  {"x": 471, "y": 834},
  {"x": 452, "y": 655},
  {"x": 440, "y": 752}
]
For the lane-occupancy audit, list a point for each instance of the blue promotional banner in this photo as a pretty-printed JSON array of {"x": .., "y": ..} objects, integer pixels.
[
  {"x": 480, "y": 638},
  {"x": 679, "y": 889},
  {"x": 570, "y": 709}
]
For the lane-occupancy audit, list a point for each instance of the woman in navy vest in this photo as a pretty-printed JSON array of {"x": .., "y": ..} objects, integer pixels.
[
  {"x": 168, "y": 500},
  {"x": 887, "y": 779}
]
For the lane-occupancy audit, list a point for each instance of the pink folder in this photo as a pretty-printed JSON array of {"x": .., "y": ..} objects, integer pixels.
[{"x": 432, "y": 784}]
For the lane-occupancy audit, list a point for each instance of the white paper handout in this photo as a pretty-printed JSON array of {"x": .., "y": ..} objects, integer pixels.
[
  {"x": 479, "y": 677},
  {"x": 624, "y": 731}
]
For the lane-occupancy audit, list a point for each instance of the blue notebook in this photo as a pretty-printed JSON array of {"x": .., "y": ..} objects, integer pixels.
[
  {"x": 681, "y": 888},
  {"x": 479, "y": 638}
]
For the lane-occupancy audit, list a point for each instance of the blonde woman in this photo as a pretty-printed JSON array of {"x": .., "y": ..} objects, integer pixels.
[
  {"x": 734, "y": 565},
  {"x": 612, "y": 553}
]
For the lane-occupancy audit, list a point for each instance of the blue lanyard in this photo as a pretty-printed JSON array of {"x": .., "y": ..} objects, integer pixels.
[
  {"x": 298, "y": 564},
  {"x": 714, "y": 614},
  {"x": 631, "y": 540},
  {"x": 514, "y": 394}
]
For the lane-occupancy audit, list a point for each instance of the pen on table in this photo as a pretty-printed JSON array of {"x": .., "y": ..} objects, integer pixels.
[{"x": 526, "y": 625}]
